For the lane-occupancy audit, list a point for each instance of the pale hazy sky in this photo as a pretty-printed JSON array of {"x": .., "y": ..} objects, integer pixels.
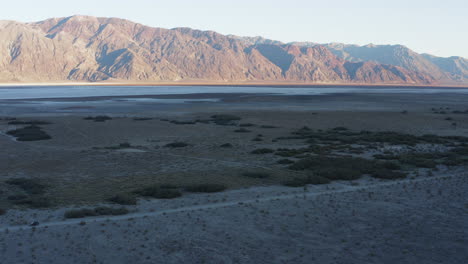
[{"x": 439, "y": 27}]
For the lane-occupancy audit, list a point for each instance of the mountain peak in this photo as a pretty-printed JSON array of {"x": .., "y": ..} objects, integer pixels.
[{"x": 87, "y": 48}]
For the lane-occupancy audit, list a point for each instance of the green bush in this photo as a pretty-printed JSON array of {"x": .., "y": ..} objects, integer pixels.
[{"x": 206, "y": 188}]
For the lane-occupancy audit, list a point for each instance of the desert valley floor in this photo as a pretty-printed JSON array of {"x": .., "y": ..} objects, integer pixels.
[{"x": 235, "y": 178}]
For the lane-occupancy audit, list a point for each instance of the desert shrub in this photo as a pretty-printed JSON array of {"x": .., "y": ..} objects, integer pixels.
[
  {"x": 340, "y": 129},
  {"x": 158, "y": 192},
  {"x": 246, "y": 125},
  {"x": 390, "y": 165},
  {"x": 125, "y": 145},
  {"x": 34, "y": 202},
  {"x": 267, "y": 126},
  {"x": 32, "y": 122},
  {"x": 101, "y": 118},
  {"x": 206, "y": 188},
  {"x": 2, "y": 211},
  {"x": 225, "y": 117},
  {"x": 176, "y": 145},
  {"x": 388, "y": 174},
  {"x": 17, "y": 197},
  {"x": 256, "y": 174},
  {"x": 285, "y": 161},
  {"x": 80, "y": 213},
  {"x": 226, "y": 145},
  {"x": 31, "y": 186},
  {"x": 262, "y": 151},
  {"x": 242, "y": 130},
  {"x": 291, "y": 152},
  {"x": 420, "y": 160},
  {"x": 142, "y": 118},
  {"x": 124, "y": 199},
  {"x": 29, "y": 133},
  {"x": 336, "y": 168},
  {"x": 168, "y": 186},
  {"x": 257, "y": 139},
  {"x": 176, "y": 122}
]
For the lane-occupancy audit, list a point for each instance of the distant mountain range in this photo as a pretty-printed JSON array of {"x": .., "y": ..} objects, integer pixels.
[{"x": 92, "y": 49}]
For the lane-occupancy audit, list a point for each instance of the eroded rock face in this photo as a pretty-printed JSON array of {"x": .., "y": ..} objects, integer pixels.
[{"x": 83, "y": 48}]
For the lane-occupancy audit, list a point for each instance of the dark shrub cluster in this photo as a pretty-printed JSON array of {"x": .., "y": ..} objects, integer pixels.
[
  {"x": 206, "y": 188},
  {"x": 226, "y": 145},
  {"x": 34, "y": 202},
  {"x": 159, "y": 192},
  {"x": 80, "y": 213},
  {"x": 101, "y": 118},
  {"x": 124, "y": 199},
  {"x": 256, "y": 174},
  {"x": 285, "y": 161},
  {"x": 32, "y": 122},
  {"x": 2, "y": 211},
  {"x": 246, "y": 125},
  {"x": 142, "y": 118},
  {"x": 242, "y": 130},
  {"x": 225, "y": 119},
  {"x": 29, "y": 133},
  {"x": 262, "y": 151},
  {"x": 176, "y": 145},
  {"x": 30, "y": 186}
]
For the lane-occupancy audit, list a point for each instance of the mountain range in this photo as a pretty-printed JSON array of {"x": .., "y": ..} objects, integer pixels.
[{"x": 94, "y": 49}]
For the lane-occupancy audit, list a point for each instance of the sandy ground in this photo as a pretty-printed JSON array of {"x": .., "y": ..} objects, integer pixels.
[
  {"x": 415, "y": 221},
  {"x": 419, "y": 220}
]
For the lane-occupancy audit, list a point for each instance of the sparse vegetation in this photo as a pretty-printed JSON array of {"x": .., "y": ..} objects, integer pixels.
[
  {"x": 32, "y": 122},
  {"x": 206, "y": 188},
  {"x": 285, "y": 161},
  {"x": 30, "y": 186},
  {"x": 176, "y": 145},
  {"x": 256, "y": 174},
  {"x": 242, "y": 130},
  {"x": 29, "y": 133},
  {"x": 388, "y": 174},
  {"x": 158, "y": 192},
  {"x": 2, "y": 211},
  {"x": 101, "y": 118},
  {"x": 300, "y": 182},
  {"x": 124, "y": 199},
  {"x": 262, "y": 151},
  {"x": 226, "y": 145},
  {"x": 98, "y": 211},
  {"x": 142, "y": 118}
]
